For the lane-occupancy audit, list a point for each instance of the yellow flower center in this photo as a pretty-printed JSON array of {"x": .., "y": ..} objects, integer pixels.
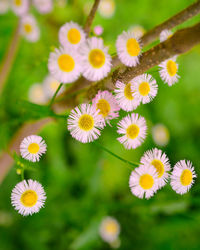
[
  {"x": 171, "y": 68},
  {"x": 104, "y": 107},
  {"x": 27, "y": 28},
  {"x": 128, "y": 92},
  {"x": 54, "y": 85},
  {"x": 33, "y": 148},
  {"x": 186, "y": 177},
  {"x": 86, "y": 122},
  {"x": 144, "y": 88},
  {"x": 158, "y": 166},
  {"x": 97, "y": 58},
  {"x": 111, "y": 227},
  {"x": 132, "y": 131},
  {"x": 133, "y": 47},
  {"x": 146, "y": 181},
  {"x": 29, "y": 198},
  {"x": 74, "y": 36},
  {"x": 18, "y": 2},
  {"x": 66, "y": 63}
]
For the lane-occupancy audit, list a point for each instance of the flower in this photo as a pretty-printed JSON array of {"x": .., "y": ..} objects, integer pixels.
[
  {"x": 64, "y": 65},
  {"x": 94, "y": 59},
  {"x": 105, "y": 102},
  {"x": 43, "y": 6},
  {"x": 109, "y": 229},
  {"x": 160, "y": 134},
  {"x": 143, "y": 181},
  {"x": 182, "y": 177},
  {"x": 145, "y": 88},
  {"x": 165, "y": 34},
  {"x": 98, "y": 30},
  {"x": 125, "y": 97},
  {"x": 85, "y": 123},
  {"x": 28, "y": 197},
  {"x": 29, "y": 28},
  {"x": 32, "y": 147},
  {"x": 133, "y": 127},
  {"x": 4, "y": 6},
  {"x": 36, "y": 94},
  {"x": 160, "y": 162},
  {"x": 137, "y": 30},
  {"x": 20, "y": 7},
  {"x": 168, "y": 71},
  {"x": 107, "y": 8},
  {"x": 128, "y": 48},
  {"x": 50, "y": 85},
  {"x": 71, "y": 35}
]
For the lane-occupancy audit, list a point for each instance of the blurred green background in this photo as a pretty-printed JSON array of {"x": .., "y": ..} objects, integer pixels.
[{"x": 83, "y": 183}]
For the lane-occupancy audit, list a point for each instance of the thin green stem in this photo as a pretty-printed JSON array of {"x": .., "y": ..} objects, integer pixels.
[
  {"x": 22, "y": 174},
  {"x": 117, "y": 156},
  {"x": 55, "y": 94}
]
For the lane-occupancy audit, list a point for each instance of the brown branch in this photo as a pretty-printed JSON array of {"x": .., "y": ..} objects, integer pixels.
[{"x": 91, "y": 16}]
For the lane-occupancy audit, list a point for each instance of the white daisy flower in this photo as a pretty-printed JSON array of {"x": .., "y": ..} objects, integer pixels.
[
  {"x": 71, "y": 35},
  {"x": 125, "y": 97},
  {"x": 137, "y": 30},
  {"x": 32, "y": 147},
  {"x": 182, "y": 177},
  {"x": 128, "y": 48},
  {"x": 94, "y": 59},
  {"x": 36, "y": 94},
  {"x": 145, "y": 88},
  {"x": 28, "y": 197},
  {"x": 29, "y": 28},
  {"x": 4, "y": 6},
  {"x": 168, "y": 71},
  {"x": 165, "y": 34},
  {"x": 133, "y": 128},
  {"x": 160, "y": 134},
  {"x": 20, "y": 7},
  {"x": 109, "y": 229},
  {"x": 107, "y": 8},
  {"x": 85, "y": 123},
  {"x": 105, "y": 102},
  {"x": 143, "y": 181},
  {"x": 98, "y": 30},
  {"x": 43, "y": 6},
  {"x": 160, "y": 162},
  {"x": 64, "y": 65},
  {"x": 50, "y": 85}
]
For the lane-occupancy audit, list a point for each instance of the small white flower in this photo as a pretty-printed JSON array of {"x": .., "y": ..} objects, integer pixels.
[
  {"x": 145, "y": 88},
  {"x": 160, "y": 162},
  {"x": 128, "y": 48},
  {"x": 36, "y": 94},
  {"x": 50, "y": 85},
  {"x": 168, "y": 71},
  {"x": 165, "y": 34},
  {"x": 29, "y": 28},
  {"x": 4, "y": 6},
  {"x": 94, "y": 59},
  {"x": 160, "y": 134},
  {"x": 32, "y": 147},
  {"x": 71, "y": 35},
  {"x": 182, "y": 177},
  {"x": 85, "y": 123},
  {"x": 137, "y": 30},
  {"x": 107, "y": 8},
  {"x": 20, "y": 7},
  {"x": 143, "y": 181},
  {"x": 64, "y": 65},
  {"x": 98, "y": 30},
  {"x": 43, "y": 6},
  {"x": 109, "y": 229},
  {"x": 125, "y": 97},
  {"x": 133, "y": 128},
  {"x": 28, "y": 197}
]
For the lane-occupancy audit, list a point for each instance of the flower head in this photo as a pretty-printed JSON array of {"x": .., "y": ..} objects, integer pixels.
[
  {"x": 29, "y": 28},
  {"x": 182, "y": 177},
  {"x": 165, "y": 34},
  {"x": 128, "y": 48},
  {"x": 109, "y": 229},
  {"x": 107, "y": 8},
  {"x": 85, "y": 123},
  {"x": 94, "y": 58},
  {"x": 50, "y": 85},
  {"x": 98, "y": 30},
  {"x": 160, "y": 134},
  {"x": 143, "y": 181},
  {"x": 160, "y": 162},
  {"x": 64, "y": 65},
  {"x": 28, "y": 197},
  {"x": 20, "y": 7},
  {"x": 4, "y": 6},
  {"x": 138, "y": 30},
  {"x": 43, "y": 6},
  {"x": 36, "y": 94},
  {"x": 133, "y": 129},
  {"x": 32, "y": 147}
]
